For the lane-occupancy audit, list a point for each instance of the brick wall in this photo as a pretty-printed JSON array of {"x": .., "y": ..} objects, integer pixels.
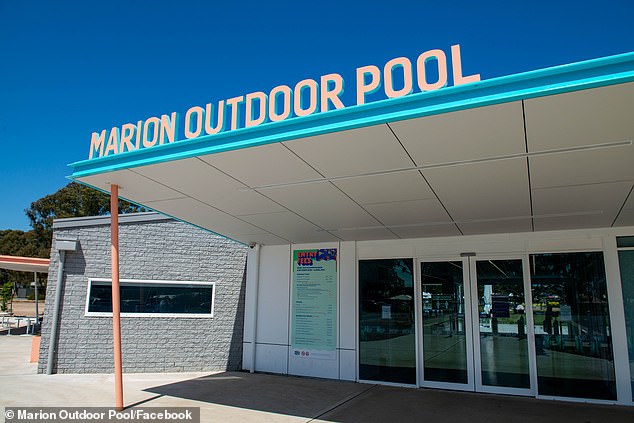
[{"x": 152, "y": 250}]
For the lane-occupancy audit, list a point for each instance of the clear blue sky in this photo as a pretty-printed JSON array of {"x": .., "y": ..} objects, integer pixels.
[{"x": 68, "y": 68}]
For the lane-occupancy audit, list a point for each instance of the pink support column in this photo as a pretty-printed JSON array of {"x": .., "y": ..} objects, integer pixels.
[{"x": 116, "y": 300}]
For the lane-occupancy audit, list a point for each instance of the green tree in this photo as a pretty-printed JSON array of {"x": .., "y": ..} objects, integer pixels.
[
  {"x": 25, "y": 244},
  {"x": 74, "y": 200},
  {"x": 6, "y": 293},
  {"x": 20, "y": 243}
]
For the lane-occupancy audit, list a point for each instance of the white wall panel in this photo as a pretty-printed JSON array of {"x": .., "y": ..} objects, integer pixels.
[
  {"x": 271, "y": 358},
  {"x": 347, "y": 295},
  {"x": 249, "y": 301},
  {"x": 273, "y": 302},
  {"x": 328, "y": 369},
  {"x": 246, "y": 355},
  {"x": 347, "y": 365}
]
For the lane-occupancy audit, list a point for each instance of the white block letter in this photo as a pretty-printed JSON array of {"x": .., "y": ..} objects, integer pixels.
[
  {"x": 97, "y": 141},
  {"x": 194, "y": 122},
  {"x": 370, "y": 87},
  {"x": 402, "y": 63},
  {"x": 456, "y": 64},
  {"x": 261, "y": 99},
  {"x": 441, "y": 61},
  {"x": 286, "y": 93},
  {"x": 311, "y": 85},
  {"x": 331, "y": 95}
]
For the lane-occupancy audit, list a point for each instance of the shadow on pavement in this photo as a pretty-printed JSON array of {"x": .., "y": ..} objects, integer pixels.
[
  {"x": 355, "y": 402},
  {"x": 289, "y": 395}
]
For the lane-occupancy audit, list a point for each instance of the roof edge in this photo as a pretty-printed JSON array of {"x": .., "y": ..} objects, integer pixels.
[{"x": 77, "y": 222}]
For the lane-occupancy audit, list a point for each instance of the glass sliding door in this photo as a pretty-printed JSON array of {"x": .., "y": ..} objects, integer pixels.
[
  {"x": 387, "y": 336},
  {"x": 626, "y": 264},
  {"x": 445, "y": 348},
  {"x": 534, "y": 323},
  {"x": 474, "y": 325},
  {"x": 573, "y": 342},
  {"x": 501, "y": 326}
]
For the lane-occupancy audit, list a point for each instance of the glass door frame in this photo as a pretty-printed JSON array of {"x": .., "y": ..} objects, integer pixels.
[
  {"x": 472, "y": 333},
  {"x": 530, "y": 329},
  {"x": 470, "y": 385},
  {"x": 616, "y": 298}
]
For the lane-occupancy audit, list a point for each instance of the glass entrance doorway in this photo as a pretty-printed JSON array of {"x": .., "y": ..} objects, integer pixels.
[
  {"x": 531, "y": 324},
  {"x": 474, "y": 314}
]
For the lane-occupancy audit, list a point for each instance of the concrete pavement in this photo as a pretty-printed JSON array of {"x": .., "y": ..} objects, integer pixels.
[{"x": 244, "y": 397}]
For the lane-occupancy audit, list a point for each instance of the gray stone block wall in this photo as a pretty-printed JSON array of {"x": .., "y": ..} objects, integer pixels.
[{"x": 150, "y": 250}]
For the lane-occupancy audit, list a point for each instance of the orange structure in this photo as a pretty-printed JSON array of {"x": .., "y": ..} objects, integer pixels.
[{"x": 116, "y": 309}]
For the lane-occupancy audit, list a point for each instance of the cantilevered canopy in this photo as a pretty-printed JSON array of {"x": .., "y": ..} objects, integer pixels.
[
  {"x": 24, "y": 264},
  {"x": 544, "y": 150}
]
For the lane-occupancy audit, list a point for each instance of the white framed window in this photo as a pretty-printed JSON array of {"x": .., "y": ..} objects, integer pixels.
[{"x": 151, "y": 298}]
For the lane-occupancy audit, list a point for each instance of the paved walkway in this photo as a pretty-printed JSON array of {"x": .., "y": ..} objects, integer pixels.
[{"x": 244, "y": 397}]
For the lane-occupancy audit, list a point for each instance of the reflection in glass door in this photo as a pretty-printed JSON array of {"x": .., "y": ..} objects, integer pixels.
[
  {"x": 501, "y": 341},
  {"x": 573, "y": 342},
  {"x": 474, "y": 315},
  {"x": 445, "y": 349},
  {"x": 536, "y": 324},
  {"x": 387, "y": 340}
]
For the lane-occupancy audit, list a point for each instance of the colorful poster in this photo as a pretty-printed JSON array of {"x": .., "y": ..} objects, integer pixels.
[{"x": 314, "y": 311}]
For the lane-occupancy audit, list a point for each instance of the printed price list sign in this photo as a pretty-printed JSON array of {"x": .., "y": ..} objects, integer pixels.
[{"x": 314, "y": 311}]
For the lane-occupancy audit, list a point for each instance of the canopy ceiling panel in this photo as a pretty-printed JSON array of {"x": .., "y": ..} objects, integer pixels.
[
  {"x": 133, "y": 186},
  {"x": 583, "y": 167},
  {"x": 185, "y": 176},
  {"x": 464, "y": 135},
  {"x": 413, "y": 212},
  {"x": 201, "y": 214},
  {"x": 385, "y": 188},
  {"x": 354, "y": 152},
  {"x": 496, "y": 189},
  {"x": 244, "y": 202},
  {"x": 587, "y": 178},
  {"x": 290, "y": 226},
  {"x": 263, "y": 165},
  {"x": 323, "y": 204},
  {"x": 578, "y": 118},
  {"x": 588, "y": 206},
  {"x": 626, "y": 217},
  {"x": 192, "y": 178},
  {"x": 402, "y": 201}
]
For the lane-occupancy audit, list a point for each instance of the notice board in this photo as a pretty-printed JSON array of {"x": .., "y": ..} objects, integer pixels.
[{"x": 314, "y": 304}]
